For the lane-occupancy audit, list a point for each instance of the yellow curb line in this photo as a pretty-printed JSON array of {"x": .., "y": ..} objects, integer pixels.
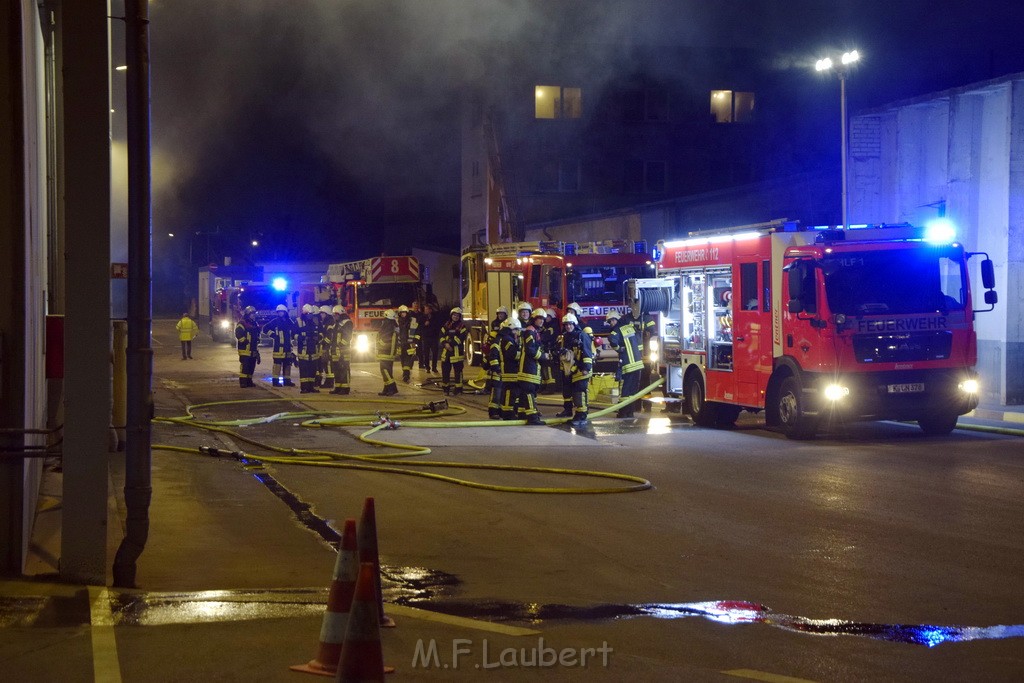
[
  {"x": 426, "y": 615},
  {"x": 105, "y": 665}
]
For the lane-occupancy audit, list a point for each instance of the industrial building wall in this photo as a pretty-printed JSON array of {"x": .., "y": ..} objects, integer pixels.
[
  {"x": 957, "y": 154},
  {"x": 23, "y": 264}
]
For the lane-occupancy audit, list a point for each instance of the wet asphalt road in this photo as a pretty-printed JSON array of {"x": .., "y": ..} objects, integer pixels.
[{"x": 873, "y": 553}]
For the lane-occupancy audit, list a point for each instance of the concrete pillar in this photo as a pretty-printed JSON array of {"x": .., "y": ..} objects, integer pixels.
[
  {"x": 86, "y": 170},
  {"x": 1013, "y": 297}
]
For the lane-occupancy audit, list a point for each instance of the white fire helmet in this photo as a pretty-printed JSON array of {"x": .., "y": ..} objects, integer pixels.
[
  {"x": 338, "y": 309},
  {"x": 282, "y": 307},
  {"x": 539, "y": 313},
  {"x": 457, "y": 310},
  {"x": 570, "y": 318},
  {"x": 389, "y": 314},
  {"x": 502, "y": 309},
  {"x": 403, "y": 309},
  {"x": 512, "y": 323},
  {"x": 325, "y": 309},
  {"x": 577, "y": 308},
  {"x": 307, "y": 308},
  {"x": 612, "y": 315},
  {"x": 524, "y": 306},
  {"x": 248, "y": 310}
]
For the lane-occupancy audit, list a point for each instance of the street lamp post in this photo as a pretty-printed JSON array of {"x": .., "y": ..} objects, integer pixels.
[{"x": 826, "y": 64}]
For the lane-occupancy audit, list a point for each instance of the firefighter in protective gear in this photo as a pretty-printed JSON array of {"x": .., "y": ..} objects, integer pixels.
[
  {"x": 387, "y": 351},
  {"x": 497, "y": 370},
  {"x": 307, "y": 348},
  {"x": 500, "y": 316},
  {"x": 282, "y": 330},
  {"x": 575, "y": 352},
  {"x": 529, "y": 369},
  {"x": 549, "y": 366},
  {"x": 625, "y": 339},
  {"x": 247, "y": 338},
  {"x": 326, "y": 322},
  {"x": 340, "y": 350},
  {"x": 523, "y": 311},
  {"x": 408, "y": 340},
  {"x": 187, "y": 331},
  {"x": 564, "y": 381},
  {"x": 510, "y": 349},
  {"x": 453, "y": 351}
]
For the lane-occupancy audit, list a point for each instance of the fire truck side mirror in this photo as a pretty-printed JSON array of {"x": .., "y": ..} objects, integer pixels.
[
  {"x": 795, "y": 306},
  {"x": 991, "y": 297},
  {"x": 988, "y": 276}
]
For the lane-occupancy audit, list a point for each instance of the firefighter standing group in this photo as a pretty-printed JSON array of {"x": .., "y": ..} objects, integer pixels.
[
  {"x": 524, "y": 355},
  {"x": 318, "y": 342}
]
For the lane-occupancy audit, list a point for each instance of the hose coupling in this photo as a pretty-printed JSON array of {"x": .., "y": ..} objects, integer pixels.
[{"x": 437, "y": 406}]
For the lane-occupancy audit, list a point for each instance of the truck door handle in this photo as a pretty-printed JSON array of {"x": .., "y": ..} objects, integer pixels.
[{"x": 739, "y": 338}]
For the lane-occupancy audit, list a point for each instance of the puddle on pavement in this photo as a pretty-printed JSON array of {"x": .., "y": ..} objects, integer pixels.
[{"x": 728, "y": 612}]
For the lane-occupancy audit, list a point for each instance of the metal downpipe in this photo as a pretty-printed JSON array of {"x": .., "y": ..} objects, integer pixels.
[{"x": 138, "y": 489}]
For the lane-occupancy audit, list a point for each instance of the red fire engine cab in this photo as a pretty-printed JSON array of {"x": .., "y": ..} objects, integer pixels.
[{"x": 816, "y": 325}]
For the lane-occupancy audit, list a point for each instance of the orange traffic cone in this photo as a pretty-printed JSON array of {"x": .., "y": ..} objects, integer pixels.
[
  {"x": 362, "y": 657},
  {"x": 339, "y": 603},
  {"x": 367, "y": 541}
]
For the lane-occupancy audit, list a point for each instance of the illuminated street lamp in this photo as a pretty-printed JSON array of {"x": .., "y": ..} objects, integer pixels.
[{"x": 845, "y": 63}]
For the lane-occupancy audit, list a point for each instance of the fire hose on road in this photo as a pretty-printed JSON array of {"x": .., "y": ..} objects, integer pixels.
[{"x": 428, "y": 415}]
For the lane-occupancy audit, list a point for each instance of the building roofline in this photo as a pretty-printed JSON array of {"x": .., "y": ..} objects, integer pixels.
[{"x": 943, "y": 94}]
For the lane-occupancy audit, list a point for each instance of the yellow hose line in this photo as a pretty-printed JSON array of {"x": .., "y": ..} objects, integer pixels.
[{"x": 320, "y": 458}]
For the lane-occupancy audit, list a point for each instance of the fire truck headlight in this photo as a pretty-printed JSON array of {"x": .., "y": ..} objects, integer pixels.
[
  {"x": 655, "y": 349},
  {"x": 362, "y": 343},
  {"x": 969, "y": 386},
  {"x": 834, "y": 392},
  {"x": 225, "y": 324}
]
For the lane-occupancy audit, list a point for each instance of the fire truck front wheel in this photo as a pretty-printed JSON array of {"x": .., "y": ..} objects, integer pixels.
[
  {"x": 789, "y": 408},
  {"x": 707, "y": 413},
  {"x": 939, "y": 424}
]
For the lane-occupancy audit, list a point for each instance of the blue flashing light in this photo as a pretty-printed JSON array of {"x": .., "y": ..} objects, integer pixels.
[
  {"x": 939, "y": 231},
  {"x": 656, "y": 255},
  {"x": 279, "y": 283},
  {"x": 640, "y": 247}
]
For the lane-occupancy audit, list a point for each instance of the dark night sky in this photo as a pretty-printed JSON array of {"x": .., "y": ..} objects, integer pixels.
[{"x": 330, "y": 127}]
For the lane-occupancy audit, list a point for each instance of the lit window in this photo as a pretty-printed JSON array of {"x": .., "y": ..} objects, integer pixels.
[
  {"x": 732, "y": 107},
  {"x": 556, "y": 102}
]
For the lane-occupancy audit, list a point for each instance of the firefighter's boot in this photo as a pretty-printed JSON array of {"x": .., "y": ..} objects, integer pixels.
[
  {"x": 579, "y": 420},
  {"x": 567, "y": 410},
  {"x": 406, "y": 376}
]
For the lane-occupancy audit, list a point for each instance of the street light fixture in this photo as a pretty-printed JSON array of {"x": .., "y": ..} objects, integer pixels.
[{"x": 846, "y": 60}]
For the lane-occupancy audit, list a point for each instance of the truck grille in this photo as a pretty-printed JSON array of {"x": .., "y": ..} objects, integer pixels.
[{"x": 898, "y": 348}]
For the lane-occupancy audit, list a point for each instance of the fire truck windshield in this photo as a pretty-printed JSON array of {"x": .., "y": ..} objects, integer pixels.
[
  {"x": 895, "y": 282},
  {"x": 601, "y": 283},
  {"x": 388, "y": 294}
]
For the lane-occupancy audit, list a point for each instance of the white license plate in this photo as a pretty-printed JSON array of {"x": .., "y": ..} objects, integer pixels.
[{"x": 909, "y": 388}]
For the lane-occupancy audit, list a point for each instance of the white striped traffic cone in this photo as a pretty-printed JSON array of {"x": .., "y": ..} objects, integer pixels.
[
  {"x": 339, "y": 604},
  {"x": 362, "y": 657}
]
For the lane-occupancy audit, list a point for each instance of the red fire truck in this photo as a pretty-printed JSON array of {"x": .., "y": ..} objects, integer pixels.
[
  {"x": 369, "y": 287},
  {"x": 815, "y": 325},
  {"x": 550, "y": 275}
]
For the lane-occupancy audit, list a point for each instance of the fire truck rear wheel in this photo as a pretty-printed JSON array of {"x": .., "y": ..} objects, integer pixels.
[
  {"x": 939, "y": 424},
  {"x": 704, "y": 413},
  {"x": 789, "y": 407}
]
